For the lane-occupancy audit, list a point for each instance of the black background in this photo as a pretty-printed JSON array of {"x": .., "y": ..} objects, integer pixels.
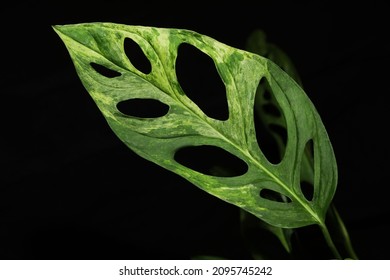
[{"x": 71, "y": 190}]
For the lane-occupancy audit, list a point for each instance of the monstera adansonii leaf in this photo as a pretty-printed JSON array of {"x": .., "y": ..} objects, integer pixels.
[{"x": 184, "y": 124}]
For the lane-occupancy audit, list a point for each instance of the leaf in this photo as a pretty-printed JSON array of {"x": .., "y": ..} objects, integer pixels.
[{"x": 186, "y": 125}]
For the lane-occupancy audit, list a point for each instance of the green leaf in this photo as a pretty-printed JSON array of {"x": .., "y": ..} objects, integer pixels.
[{"x": 185, "y": 124}]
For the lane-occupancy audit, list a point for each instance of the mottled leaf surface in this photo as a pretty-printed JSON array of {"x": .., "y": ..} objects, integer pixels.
[{"x": 184, "y": 124}]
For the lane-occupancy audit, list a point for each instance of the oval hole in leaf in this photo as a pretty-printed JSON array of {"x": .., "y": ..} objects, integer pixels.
[
  {"x": 211, "y": 160},
  {"x": 199, "y": 79},
  {"x": 309, "y": 149},
  {"x": 103, "y": 70},
  {"x": 274, "y": 196},
  {"x": 307, "y": 171},
  {"x": 307, "y": 190},
  {"x": 267, "y": 95},
  {"x": 263, "y": 120},
  {"x": 143, "y": 108},
  {"x": 263, "y": 85},
  {"x": 271, "y": 109},
  {"x": 280, "y": 131},
  {"x": 136, "y": 56},
  {"x": 266, "y": 142}
]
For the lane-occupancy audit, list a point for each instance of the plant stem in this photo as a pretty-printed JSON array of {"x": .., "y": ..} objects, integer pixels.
[
  {"x": 329, "y": 241},
  {"x": 341, "y": 231}
]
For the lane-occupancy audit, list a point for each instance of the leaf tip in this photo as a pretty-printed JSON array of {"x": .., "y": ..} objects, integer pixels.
[{"x": 57, "y": 27}]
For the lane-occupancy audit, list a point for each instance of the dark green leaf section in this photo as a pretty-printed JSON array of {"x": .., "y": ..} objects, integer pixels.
[{"x": 185, "y": 124}]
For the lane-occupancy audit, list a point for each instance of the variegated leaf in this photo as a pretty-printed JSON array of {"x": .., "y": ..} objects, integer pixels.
[{"x": 185, "y": 124}]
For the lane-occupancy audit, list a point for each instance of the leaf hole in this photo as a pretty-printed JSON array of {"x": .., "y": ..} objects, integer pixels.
[
  {"x": 267, "y": 142},
  {"x": 309, "y": 149},
  {"x": 271, "y": 109},
  {"x": 307, "y": 171},
  {"x": 105, "y": 71},
  {"x": 307, "y": 190},
  {"x": 266, "y": 94},
  {"x": 199, "y": 79},
  {"x": 274, "y": 196},
  {"x": 137, "y": 56},
  {"x": 271, "y": 137},
  {"x": 211, "y": 160},
  {"x": 280, "y": 131},
  {"x": 143, "y": 108}
]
